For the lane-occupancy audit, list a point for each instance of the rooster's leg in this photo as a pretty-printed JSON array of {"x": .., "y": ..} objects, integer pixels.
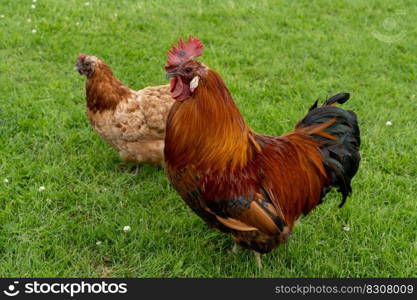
[
  {"x": 234, "y": 249},
  {"x": 258, "y": 259}
]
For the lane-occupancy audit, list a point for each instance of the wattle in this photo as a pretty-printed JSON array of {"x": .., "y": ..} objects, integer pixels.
[{"x": 179, "y": 90}]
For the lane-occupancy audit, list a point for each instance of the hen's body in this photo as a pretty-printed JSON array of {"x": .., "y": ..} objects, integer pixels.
[
  {"x": 250, "y": 185},
  {"x": 132, "y": 122}
]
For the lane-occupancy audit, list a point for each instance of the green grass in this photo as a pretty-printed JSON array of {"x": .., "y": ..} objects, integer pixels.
[{"x": 277, "y": 57}]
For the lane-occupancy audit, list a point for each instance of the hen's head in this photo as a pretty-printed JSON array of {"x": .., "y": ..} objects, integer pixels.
[
  {"x": 86, "y": 65},
  {"x": 183, "y": 69}
]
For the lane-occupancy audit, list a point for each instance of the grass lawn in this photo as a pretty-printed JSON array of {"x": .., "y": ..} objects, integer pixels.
[{"x": 277, "y": 57}]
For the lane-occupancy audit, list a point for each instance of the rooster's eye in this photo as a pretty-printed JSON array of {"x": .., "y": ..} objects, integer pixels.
[{"x": 188, "y": 70}]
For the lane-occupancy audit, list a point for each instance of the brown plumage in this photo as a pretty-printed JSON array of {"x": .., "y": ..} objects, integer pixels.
[
  {"x": 247, "y": 184},
  {"x": 132, "y": 122}
]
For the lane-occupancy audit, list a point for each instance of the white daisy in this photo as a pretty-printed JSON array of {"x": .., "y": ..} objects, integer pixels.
[
  {"x": 33, "y": 6},
  {"x": 41, "y": 188},
  {"x": 388, "y": 123},
  {"x": 346, "y": 228},
  {"x": 126, "y": 229}
]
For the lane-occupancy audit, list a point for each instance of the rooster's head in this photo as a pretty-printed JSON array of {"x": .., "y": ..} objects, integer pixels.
[
  {"x": 183, "y": 69},
  {"x": 86, "y": 64}
]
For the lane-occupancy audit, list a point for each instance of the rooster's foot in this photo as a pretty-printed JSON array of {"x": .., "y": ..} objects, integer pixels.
[
  {"x": 235, "y": 249},
  {"x": 258, "y": 259}
]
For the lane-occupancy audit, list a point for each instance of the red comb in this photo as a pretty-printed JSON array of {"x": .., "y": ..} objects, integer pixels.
[
  {"x": 82, "y": 56},
  {"x": 184, "y": 51}
]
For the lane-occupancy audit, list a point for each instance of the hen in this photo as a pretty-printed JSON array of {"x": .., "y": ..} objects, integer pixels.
[
  {"x": 132, "y": 122},
  {"x": 250, "y": 185}
]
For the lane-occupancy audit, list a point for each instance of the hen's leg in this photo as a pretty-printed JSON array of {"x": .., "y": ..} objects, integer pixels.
[{"x": 235, "y": 249}]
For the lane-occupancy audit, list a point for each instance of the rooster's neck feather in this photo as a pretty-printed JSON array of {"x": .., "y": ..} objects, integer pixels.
[{"x": 207, "y": 130}]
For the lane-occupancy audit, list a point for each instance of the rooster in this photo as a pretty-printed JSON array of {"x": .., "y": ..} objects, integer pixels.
[
  {"x": 132, "y": 122},
  {"x": 250, "y": 185}
]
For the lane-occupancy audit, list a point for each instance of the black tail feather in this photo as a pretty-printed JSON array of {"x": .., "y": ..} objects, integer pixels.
[
  {"x": 314, "y": 106},
  {"x": 341, "y": 156},
  {"x": 339, "y": 98}
]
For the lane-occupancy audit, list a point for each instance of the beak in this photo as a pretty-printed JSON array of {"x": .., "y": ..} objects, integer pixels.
[
  {"x": 77, "y": 68},
  {"x": 170, "y": 74}
]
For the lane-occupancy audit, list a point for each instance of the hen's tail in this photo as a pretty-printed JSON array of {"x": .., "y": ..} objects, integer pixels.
[{"x": 340, "y": 141}]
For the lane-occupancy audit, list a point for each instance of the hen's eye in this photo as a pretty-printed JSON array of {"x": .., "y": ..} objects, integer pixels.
[
  {"x": 188, "y": 70},
  {"x": 87, "y": 63}
]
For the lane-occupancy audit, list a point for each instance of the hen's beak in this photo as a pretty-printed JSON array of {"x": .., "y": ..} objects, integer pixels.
[
  {"x": 78, "y": 68},
  {"x": 170, "y": 74}
]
